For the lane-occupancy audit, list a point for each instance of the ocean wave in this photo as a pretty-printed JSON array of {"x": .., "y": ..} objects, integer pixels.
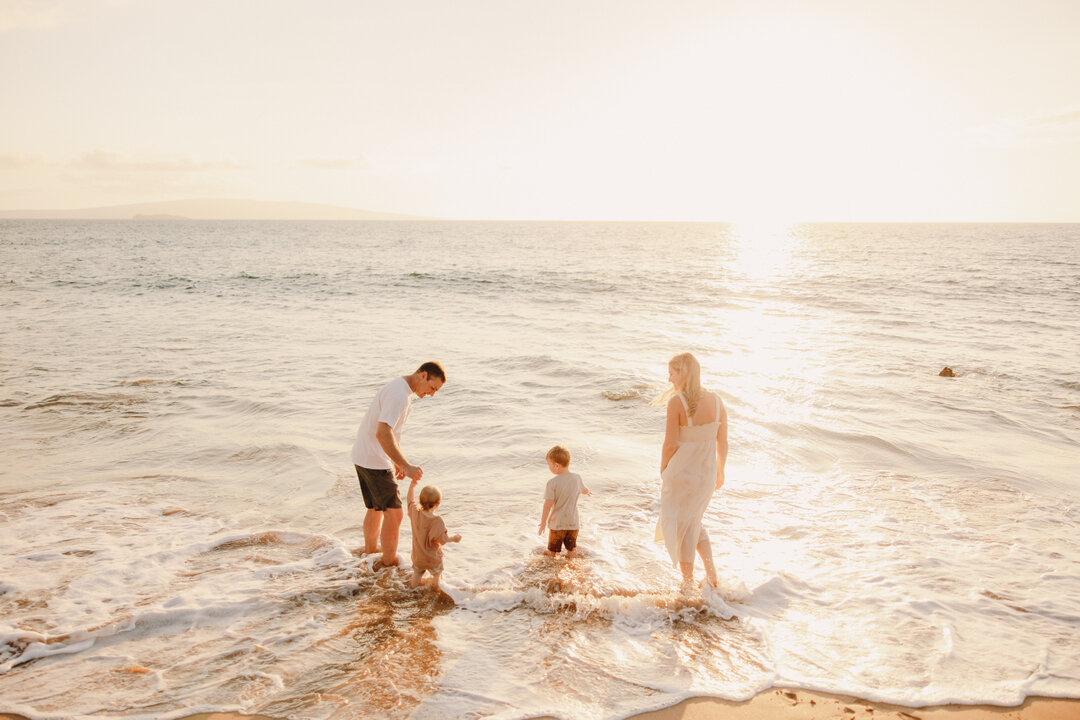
[
  {"x": 630, "y": 392},
  {"x": 18, "y": 646},
  {"x": 155, "y": 382},
  {"x": 546, "y": 587},
  {"x": 87, "y": 400}
]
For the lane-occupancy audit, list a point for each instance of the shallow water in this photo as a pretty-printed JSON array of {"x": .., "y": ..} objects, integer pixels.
[{"x": 180, "y": 521}]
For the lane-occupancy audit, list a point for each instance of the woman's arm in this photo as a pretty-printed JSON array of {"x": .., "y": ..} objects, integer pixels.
[
  {"x": 721, "y": 445},
  {"x": 671, "y": 432}
]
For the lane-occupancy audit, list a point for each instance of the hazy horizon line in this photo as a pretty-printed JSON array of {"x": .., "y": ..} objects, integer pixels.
[{"x": 233, "y": 209}]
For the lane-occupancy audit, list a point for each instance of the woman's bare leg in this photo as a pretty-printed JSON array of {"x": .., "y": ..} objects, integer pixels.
[
  {"x": 687, "y": 569},
  {"x": 704, "y": 548}
]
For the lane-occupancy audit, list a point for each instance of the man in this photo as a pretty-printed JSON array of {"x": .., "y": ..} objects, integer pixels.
[{"x": 379, "y": 460}]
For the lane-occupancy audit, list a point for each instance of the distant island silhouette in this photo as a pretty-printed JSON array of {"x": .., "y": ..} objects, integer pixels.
[{"x": 211, "y": 209}]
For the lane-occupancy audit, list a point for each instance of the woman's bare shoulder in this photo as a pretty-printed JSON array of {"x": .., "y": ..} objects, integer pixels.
[{"x": 675, "y": 407}]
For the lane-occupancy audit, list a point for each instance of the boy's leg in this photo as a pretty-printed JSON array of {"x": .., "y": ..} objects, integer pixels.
[
  {"x": 414, "y": 581},
  {"x": 570, "y": 541},
  {"x": 435, "y": 579},
  {"x": 555, "y": 541}
]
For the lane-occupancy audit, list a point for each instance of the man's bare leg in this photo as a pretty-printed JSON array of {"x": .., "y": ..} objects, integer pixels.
[
  {"x": 372, "y": 523},
  {"x": 389, "y": 535}
]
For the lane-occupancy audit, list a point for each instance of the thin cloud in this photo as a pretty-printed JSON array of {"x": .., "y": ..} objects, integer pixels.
[
  {"x": 23, "y": 162},
  {"x": 1068, "y": 119},
  {"x": 100, "y": 161},
  {"x": 1053, "y": 129},
  {"x": 44, "y": 14},
  {"x": 151, "y": 186},
  {"x": 30, "y": 14},
  {"x": 333, "y": 163}
]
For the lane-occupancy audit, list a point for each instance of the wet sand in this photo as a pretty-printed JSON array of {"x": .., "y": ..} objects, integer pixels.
[{"x": 790, "y": 704}]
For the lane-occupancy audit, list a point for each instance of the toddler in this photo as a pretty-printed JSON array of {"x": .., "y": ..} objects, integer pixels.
[{"x": 428, "y": 534}]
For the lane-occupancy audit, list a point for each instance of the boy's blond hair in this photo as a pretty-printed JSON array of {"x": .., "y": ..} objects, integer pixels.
[
  {"x": 430, "y": 497},
  {"x": 559, "y": 455}
]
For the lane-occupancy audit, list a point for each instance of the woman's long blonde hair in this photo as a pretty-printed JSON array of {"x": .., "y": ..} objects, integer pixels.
[{"x": 690, "y": 369}]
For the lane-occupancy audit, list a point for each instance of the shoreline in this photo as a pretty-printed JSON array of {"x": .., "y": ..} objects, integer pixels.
[{"x": 798, "y": 704}]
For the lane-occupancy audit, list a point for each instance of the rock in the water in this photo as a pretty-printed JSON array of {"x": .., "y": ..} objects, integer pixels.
[{"x": 946, "y": 372}]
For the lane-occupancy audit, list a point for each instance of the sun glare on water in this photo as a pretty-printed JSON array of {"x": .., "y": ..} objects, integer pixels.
[{"x": 762, "y": 247}]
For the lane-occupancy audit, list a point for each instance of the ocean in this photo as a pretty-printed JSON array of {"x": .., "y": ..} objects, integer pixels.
[{"x": 180, "y": 522}]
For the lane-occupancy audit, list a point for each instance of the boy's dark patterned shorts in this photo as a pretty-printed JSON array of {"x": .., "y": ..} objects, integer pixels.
[{"x": 558, "y": 538}]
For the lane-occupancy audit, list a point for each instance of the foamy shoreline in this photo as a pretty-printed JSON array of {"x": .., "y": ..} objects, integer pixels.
[{"x": 798, "y": 704}]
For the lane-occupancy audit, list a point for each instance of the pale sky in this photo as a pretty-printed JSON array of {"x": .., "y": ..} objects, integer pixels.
[{"x": 891, "y": 110}]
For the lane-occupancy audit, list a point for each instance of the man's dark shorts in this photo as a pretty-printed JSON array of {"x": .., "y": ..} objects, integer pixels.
[
  {"x": 558, "y": 538},
  {"x": 379, "y": 488}
]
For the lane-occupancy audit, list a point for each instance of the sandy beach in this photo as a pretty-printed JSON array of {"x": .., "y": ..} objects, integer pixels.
[{"x": 791, "y": 704}]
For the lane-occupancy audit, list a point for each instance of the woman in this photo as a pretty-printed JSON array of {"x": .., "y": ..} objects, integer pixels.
[{"x": 691, "y": 466}]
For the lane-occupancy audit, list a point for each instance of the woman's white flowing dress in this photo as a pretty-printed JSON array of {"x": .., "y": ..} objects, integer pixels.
[{"x": 689, "y": 483}]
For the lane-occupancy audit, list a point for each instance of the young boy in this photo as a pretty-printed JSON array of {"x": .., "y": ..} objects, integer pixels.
[
  {"x": 560, "y": 514},
  {"x": 428, "y": 534}
]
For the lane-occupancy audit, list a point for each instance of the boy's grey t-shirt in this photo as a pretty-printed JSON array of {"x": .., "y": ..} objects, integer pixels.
[{"x": 565, "y": 490}]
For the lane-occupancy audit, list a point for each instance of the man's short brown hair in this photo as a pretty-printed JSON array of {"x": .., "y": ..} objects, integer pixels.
[
  {"x": 559, "y": 455},
  {"x": 433, "y": 369}
]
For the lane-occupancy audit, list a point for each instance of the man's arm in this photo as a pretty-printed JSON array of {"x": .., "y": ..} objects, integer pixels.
[{"x": 385, "y": 435}]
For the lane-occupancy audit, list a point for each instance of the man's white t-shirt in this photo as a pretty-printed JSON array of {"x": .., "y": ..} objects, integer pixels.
[
  {"x": 391, "y": 405},
  {"x": 564, "y": 490}
]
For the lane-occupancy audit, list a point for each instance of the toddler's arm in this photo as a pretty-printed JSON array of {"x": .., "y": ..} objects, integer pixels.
[
  {"x": 548, "y": 504},
  {"x": 411, "y": 497}
]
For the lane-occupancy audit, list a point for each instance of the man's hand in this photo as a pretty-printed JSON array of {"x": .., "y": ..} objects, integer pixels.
[
  {"x": 413, "y": 472},
  {"x": 541, "y": 530}
]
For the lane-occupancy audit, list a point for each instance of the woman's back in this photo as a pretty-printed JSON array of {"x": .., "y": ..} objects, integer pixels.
[{"x": 707, "y": 411}]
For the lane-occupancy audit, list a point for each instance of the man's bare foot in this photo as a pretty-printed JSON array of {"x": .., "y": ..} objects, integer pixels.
[
  {"x": 382, "y": 563},
  {"x": 571, "y": 553},
  {"x": 550, "y": 553}
]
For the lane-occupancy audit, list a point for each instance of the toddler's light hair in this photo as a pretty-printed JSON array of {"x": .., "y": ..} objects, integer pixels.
[
  {"x": 559, "y": 455},
  {"x": 430, "y": 497}
]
